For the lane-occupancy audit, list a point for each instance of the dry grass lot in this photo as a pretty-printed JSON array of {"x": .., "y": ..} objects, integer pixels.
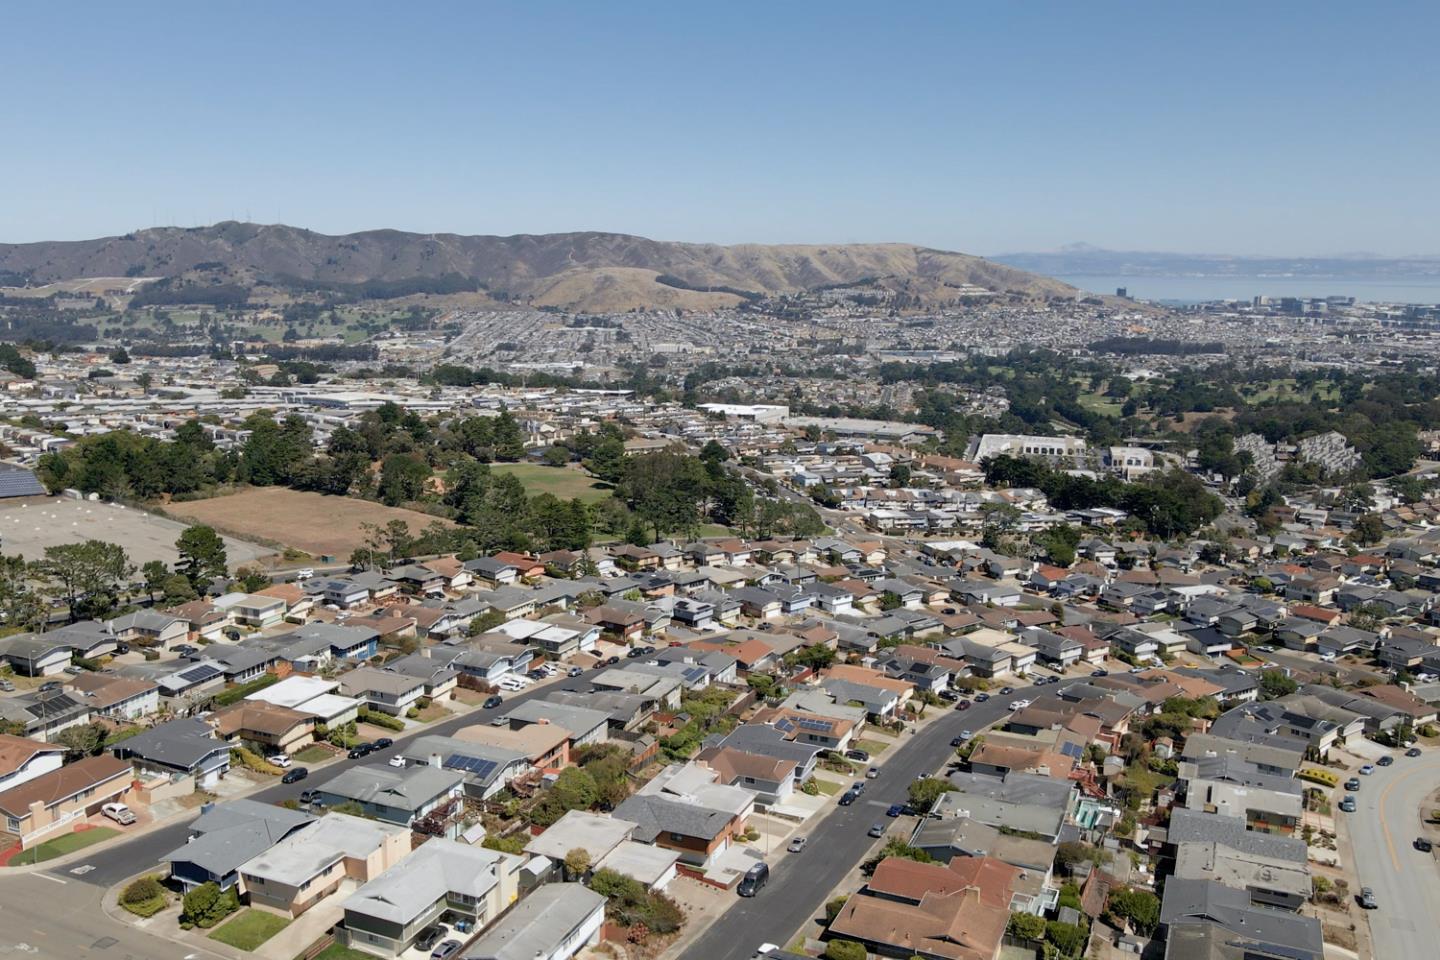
[
  {"x": 313, "y": 522},
  {"x": 29, "y": 525}
]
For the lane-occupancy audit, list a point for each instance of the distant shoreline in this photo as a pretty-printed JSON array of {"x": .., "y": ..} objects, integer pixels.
[{"x": 1196, "y": 289}]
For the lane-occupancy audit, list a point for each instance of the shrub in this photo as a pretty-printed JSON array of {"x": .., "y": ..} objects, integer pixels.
[
  {"x": 237, "y": 693},
  {"x": 833, "y": 908},
  {"x": 207, "y": 905},
  {"x": 630, "y": 904},
  {"x": 845, "y": 950},
  {"x": 378, "y": 719},
  {"x": 1068, "y": 938},
  {"x": 251, "y": 760},
  {"x": 144, "y": 897}
]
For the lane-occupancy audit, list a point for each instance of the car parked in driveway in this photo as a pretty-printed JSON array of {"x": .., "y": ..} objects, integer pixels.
[
  {"x": 429, "y": 937},
  {"x": 859, "y": 755},
  {"x": 279, "y": 760},
  {"x": 120, "y": 813},
  {"x": 446, "y": 950}
]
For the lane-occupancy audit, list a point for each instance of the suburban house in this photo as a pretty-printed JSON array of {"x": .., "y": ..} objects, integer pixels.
[
  {"x": 555, "y": 922},
  {"x": 23, "y": 759},
  {"x": 385, "y": 915},
  {"x": 252, "y": 609},
  {"x": 265, "y": 728},
  {"x": 35, "y": 655},
  {"x": 185, "y": 747},
  {"x": 310, "y": 864},
  {"x": 486, "y": 770},
  {"x": 381, "y": 690},
  {"x": 225, "y": 836},
  {"x": 42, "y": 715},
  {"x": 119, "y": 698},
  {"x": 55, "y": 802},
  {"x": 683, "y": 824},
  {"x": 395, "y": 795}
]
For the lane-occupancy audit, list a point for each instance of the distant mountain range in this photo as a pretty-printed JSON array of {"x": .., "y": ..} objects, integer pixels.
[
  {"x": 576, "y": 271},
  {"x": 1082, "y": 259}
]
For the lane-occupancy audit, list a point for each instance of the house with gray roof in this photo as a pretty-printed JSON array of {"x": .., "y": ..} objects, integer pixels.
[
  {"x": 395, "y": 795},
  {"x": 486, "y": 768},
  {"x": 185, "y": 747},
  {"x": 555, "y": 922},
  {"x": 585, "y": 724},
  {"x": 1282, "y": 932},
  {"x": 227, "y": 835},
  {"x": 1027, "y": 802},
  {"x": 310, "y": 864},
  {"x": 697, "y": 833},
  {"x": 386, "y": 914}
]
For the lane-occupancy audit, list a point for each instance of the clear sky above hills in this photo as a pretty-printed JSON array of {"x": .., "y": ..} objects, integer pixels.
[{"x": 1300, "y": 128}]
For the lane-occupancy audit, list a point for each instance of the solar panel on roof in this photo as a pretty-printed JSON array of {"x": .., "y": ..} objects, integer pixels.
[
  {"x": 1072, "y": 750},
  {"x": 200, "y": 674},
  {"x": 471, "y": 765},
  {"x": 822, "y": 725}
]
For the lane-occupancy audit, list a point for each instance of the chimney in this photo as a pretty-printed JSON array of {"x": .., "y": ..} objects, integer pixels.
[{"x": 435, "y": 760}]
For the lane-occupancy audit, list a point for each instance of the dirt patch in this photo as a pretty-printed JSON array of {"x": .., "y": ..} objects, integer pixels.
[
  {"x": 321, "y": 526},
  {"x": 1342, "y": 937}
]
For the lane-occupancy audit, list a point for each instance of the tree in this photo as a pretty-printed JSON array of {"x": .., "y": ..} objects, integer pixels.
[
  {"x": 1368, "y": 529},
  {"x": 1026, "y": 926},
  {"x": 202, "y": 555},
  {"x": 577, "y": 861},
  {"x": 119, "y": 356},
  {"x": 899, "y": 475},
  {"x": 155, "y": 573},
  {"x": 508, "y": 439},
  {"x": 206, "y": 905},
  {"x": 1140, "y": 907},
  {"x": 486, "y": 622},
  {"x": 252, "y": 580},
  {"x": 402, "y": 479},
  {"x": 86, "y": 576},
  {"x": 924, "y": 792},
  {"x": 1275, "y": 683},
  {"x": 83, "y": 740},
  {"x": 177, "y": 588},
  {"x": 20, "y": 606}
]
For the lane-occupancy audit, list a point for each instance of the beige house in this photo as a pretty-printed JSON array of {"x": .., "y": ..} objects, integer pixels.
[
  {"x": 299, "y": 871},
  {"x": 54, "y": 803},
  {"x": 265, "y": 727}
]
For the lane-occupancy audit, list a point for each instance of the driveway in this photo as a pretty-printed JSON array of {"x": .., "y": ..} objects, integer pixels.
[{"x": 1406, "y": 882}]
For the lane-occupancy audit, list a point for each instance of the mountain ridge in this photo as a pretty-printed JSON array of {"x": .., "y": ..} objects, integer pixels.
[{"x": 571, "y": 270}]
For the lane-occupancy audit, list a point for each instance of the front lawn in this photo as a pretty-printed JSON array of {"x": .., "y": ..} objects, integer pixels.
[
  {"x": 873, "y": 747},
  {"x": 827, "y": 787},
  {"x": 250, "y": 929},
  {"x": 60, "y": 846},
  {"x": 314, "y": 754}
]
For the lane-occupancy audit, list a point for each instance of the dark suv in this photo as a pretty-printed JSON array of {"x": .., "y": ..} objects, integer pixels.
[{"x": 429, "y": 937}]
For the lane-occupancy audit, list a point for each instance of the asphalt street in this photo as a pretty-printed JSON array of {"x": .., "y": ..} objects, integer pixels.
[
  {"x": 801, "y": 883},
  {"x": 1406, "y": 882}
]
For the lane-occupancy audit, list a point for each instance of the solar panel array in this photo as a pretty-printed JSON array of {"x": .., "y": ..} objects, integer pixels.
[
  {"x": 53, "y": 705},
  {"x": 201, "y": 673},
  {"x": 19, "y": 483},
  {"x": 1072, "y": 750},
  {"x": 822, "y": 726},
  {"x": 471, "y": 765}
]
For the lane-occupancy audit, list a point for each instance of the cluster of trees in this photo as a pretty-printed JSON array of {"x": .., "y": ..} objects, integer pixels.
[{"x": 1166, "y": 505}]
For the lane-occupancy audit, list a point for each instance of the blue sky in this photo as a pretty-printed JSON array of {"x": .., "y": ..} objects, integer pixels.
[{"x": 1304, "y": 128}]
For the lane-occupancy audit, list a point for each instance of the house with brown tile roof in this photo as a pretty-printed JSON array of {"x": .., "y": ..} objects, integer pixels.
[
  {"x": 771, "y": 779},
  {"x": 999, "y": 760},
  {"x": 545, "y": 745},
  {"x": 901, "y": 879},
  {"x": 120, "y": 698},
  {"x": 267, "y": 728},
  {"x": 54, "y": 803},
  {"x": 954, "y": 926},
  {"x": 206, "y": 620},
  {"x": 23, "y": 759}
]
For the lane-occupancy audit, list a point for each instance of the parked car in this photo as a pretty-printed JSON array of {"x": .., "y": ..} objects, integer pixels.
[
  {"x": 398, "y": 761},
  {"x": 957, "y": 741},
  {"x": 1348, "y": 804},
  {"x": 963, "y": 705},
  {"x": 359, "y": 751},
  {"x": 6, "y": 685},
  {"x": 446, "y": 950},
  {"x": 493, "y": 701},
  {"x": 847, "y": 798},
  {"x": 754, "y": 880},
  {"x": 279, "y": 760},
  {"x": 1006, "y": 691},
  {"x": 1353, "y": 784},
  {"x": 872, "y": 773},
  {"x": 575, "y": 672},
  {"x": 430, "y": 936},
  {"x": 982, "y": 697},
  {"x": 383, "y": 743},
  {"x": 611, "y": 661},
  {"x": 1019, "y": 704},
  {"x": 858, "y": 787},
  {"x": 1423, "y": 845},
  {"x": 797, "y": 844},
  {"x": 187, "y": 650},
  {"x": 1100, "y": 673},
  {"x": 965, "y": 735},
  {"x": 295, "y": 775},
  {"x": 304, "y": 573},
  {"x": 876, "y": 830},
  {"x": 632, "y": 653},
  {"x": 895, "y": 809},
  {"x": 1367, "y": 899},
  {"x": 50, "y": 685},
  {"x": 1413, "y": 752},
  {"x": 74, "y": 671},
  {"x": 859, "y": 755},
  {"x": 122, "y": 647},
  {"x": 537, "y": 674},
  {"x": 949, "y": 695},
  {"x": 120, "y": 813},
  {"x": 1386, "y": 760},
  {"x": 1368, "y": 769}
]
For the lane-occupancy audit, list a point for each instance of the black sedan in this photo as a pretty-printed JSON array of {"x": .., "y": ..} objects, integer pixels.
[
  {"x": 295, "y": 775},
  {"x": 360, "y": 750},
  {"x": 383, "y": 743},
  {"x": 492, "y": 701}
]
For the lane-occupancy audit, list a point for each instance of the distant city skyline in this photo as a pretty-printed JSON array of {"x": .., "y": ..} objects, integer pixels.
[{"x": 1281, "y": 129}]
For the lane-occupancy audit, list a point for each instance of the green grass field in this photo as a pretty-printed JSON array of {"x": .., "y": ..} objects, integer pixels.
[
  {"x": 567, "y": 483},
  {"x": 250, "y": 929},
  {"x": 338, "y": 951},
  {"x": 60, "y": 846}
]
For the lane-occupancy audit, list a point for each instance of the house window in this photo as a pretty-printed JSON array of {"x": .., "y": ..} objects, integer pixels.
[
  {"x": 677, "y": 838},
  {"x": 12, "y": 825}
]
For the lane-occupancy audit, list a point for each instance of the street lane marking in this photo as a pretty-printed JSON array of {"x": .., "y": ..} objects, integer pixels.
[
  {"x": 47, "y": 876},
  {"x": 1384, "y": 824}
]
